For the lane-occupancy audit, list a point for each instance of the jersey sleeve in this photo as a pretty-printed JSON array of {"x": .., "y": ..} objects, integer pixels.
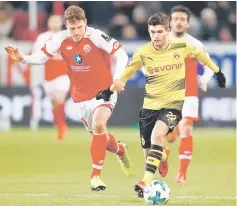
[
  {"x": 51, "y": 47},
  {"x": 39, "y": 43},
  {"x": 207, "y": 73},
  {"x": 193, "y": 52},
  {"x": 134, "y": 65},
  {"x": 105, "y": 42}
]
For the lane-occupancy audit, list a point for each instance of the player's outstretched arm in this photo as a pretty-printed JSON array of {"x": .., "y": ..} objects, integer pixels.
[
  {"x": 134, "y": 65},
  {"x": 206, "y": 60},
  {"x": 38, "y": 57},
  {"x": 120, "y": 61}
]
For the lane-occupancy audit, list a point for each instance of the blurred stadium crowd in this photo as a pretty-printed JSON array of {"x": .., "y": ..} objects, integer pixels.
[{"x": 124, "y": 20}]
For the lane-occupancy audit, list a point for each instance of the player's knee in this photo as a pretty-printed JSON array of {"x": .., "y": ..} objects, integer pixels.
[
  {"x": 157, "y": 138},
  {"x": 60, "y": 97},
  {"x": 171, "y": 137},
  {"x": 99, "y": 126},
  {"x": 185, "y": 127}
]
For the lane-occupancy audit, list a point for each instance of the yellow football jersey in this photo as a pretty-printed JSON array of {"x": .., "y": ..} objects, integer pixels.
[{"x": 165, "y": 72}]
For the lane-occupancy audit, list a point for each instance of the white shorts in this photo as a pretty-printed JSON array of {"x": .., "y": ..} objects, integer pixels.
[
  {"x": 61, "y": 83},
  {"x": 190, "y": 108},
  {"x": 87, "y": 108}
]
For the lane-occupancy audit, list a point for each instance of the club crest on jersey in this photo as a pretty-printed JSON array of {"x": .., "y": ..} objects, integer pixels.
[
  {"x": 78, "y": 58},
  {"x": 87, "y": 48},
  {"x": 176, "y": 56},
  {"x": 150, "y": 70},
  {"x": 69, "y": 48}
]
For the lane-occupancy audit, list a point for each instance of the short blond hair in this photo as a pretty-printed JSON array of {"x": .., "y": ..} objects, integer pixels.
[{"x": 74, "y": 13}]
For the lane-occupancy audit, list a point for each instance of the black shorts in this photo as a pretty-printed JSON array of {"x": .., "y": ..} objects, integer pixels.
[{"x": 148, "y": 119}]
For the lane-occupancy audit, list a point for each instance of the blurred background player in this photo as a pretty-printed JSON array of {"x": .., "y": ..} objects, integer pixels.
[
  {"x": 56, "y": 82},
  {"x": 88, "y": 53},
  {"x": 180, "y": 16},
  {"x": 164, "y": 62}
]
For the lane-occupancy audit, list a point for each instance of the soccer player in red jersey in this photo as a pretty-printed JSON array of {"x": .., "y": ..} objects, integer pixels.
[
  {"x": 88, "y": 53},
  {"x": 179, "y": 23}
]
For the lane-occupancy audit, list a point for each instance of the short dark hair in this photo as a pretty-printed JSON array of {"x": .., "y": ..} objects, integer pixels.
[
  {"x": 181, "y": 8},
  {"x": 159, "y": 19}
]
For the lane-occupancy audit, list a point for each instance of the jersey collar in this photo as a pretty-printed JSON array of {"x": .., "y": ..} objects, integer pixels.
[{"x": 162, "y": 49}]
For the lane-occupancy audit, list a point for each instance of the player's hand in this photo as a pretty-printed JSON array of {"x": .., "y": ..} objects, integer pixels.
[
  {"x": 14, "y": 54},
  {"x": 105, "y": 95},
  {"x": 202, "y": 83},
  {"x": 118, "y": 85},
  {"x": 221, "y": 80}
]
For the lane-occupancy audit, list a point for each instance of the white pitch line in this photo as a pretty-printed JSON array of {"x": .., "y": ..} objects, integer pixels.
[
  {"x": 206, "y": 197},
  {"x": 108, "y": 196}
]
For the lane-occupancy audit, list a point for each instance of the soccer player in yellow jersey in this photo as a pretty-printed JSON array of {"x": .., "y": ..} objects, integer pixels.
[{"x": 163, "y": 61}]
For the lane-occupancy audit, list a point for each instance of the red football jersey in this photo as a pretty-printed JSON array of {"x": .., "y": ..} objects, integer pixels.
[{"x": 88, "y": 61}]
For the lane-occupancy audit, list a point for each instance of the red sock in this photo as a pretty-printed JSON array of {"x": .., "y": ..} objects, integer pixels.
[
  {"x": 114, "y": 147},
  {"x": 98, "y": 152},
  {"x": 59, "y": 120},
  {"x": 59, "y": 115},
  {"x": 185, "y": 152}
]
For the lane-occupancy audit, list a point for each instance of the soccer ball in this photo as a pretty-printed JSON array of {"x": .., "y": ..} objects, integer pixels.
[{"x": 157, "y": 192}]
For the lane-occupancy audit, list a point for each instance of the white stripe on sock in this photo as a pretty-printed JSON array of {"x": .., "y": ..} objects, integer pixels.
[
  {"x": 117, "y": 149},
  {"x": 188, "y": 157},
  {"x": 99, "y": 134},
  {"x": 99, "y": 167}
]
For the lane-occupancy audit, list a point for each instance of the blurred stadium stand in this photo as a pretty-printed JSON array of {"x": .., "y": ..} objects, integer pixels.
[{"x": 212, "y": 22}]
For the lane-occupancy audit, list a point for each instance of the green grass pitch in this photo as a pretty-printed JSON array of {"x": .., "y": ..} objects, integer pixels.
[{"x": 38, "y": 170}]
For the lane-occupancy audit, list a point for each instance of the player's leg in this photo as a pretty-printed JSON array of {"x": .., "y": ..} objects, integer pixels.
[
  {"x": 145, "y": 136},
  {"x": 158, "y": 156},
  {"x": 99, "y": 141},
  {"x": 185, "y": 148},
  {"x": 145, "y": 153},
  {"x": 98, "y": 145},
  {"x": 59, "y": 112},
  {"x": 190, "y": 115},
  {"x": 37, "y": 93},
  {"x": 171, "y": 137},
  {"x": 154, "y": 156},
  {"x": 114, "y": 147},
  {"x": 118, "y": 148},
  {"x": 101, "y": 112},
  {"x": 147, "y": 120},
  {"x": 94, "y": 116},
  {"x": 61, "y": 88},
  {"x": 94, "y": 119},
  {"x": 121, "y": 150}
]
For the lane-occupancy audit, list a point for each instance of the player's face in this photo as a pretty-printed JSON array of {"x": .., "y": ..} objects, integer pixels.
[
  {"x": 179, "y": 22},
  {"x": 77, "y": 29},
  {"x": 159, "y": 35}
]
